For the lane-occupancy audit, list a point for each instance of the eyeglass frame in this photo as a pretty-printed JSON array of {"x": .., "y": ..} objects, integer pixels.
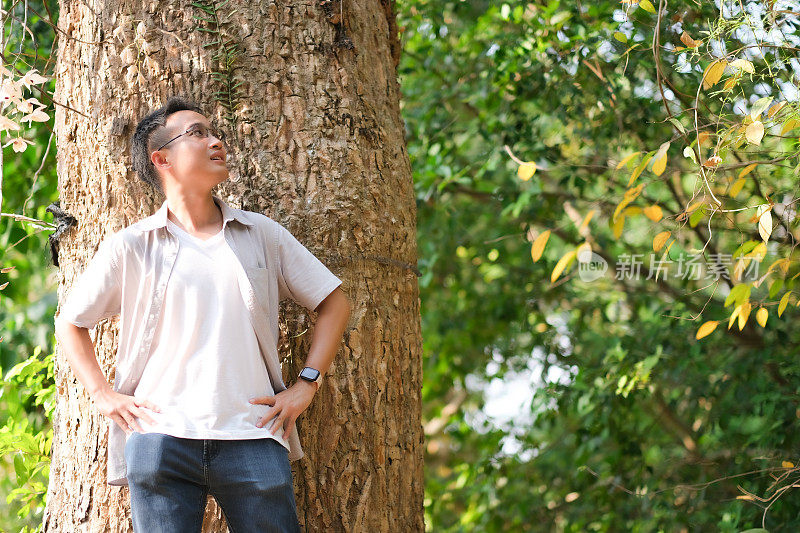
[{"x": 190, "y": 129}]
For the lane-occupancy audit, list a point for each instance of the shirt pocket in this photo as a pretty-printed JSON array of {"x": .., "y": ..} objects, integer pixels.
[{"x": 259, "y": 279}]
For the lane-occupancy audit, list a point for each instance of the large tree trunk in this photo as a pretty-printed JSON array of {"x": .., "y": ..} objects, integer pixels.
[{"x": 317, "y": 143}]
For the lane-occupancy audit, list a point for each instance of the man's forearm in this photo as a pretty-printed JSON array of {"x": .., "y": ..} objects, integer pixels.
[
  {"x": 286, "y": 406},
  {"x": 81, "y": 357},
  {"x": 334, "y": 312}
]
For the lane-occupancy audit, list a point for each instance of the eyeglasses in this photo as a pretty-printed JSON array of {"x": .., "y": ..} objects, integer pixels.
[{"x": 198, "y": 131}]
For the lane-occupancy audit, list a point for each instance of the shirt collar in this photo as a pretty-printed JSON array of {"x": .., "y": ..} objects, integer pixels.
[{"x": 159, "y": 218}]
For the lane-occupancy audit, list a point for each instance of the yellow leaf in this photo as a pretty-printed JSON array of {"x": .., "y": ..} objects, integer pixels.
[
  {"x": 633, "y": 192},
  {"x": 789, "y": 125},
  {"x": 736, "y": 188},
  {"x": 743, "y": 64},
  {"x": 660, "y": 240},
  {"x": 653, "y": 212},
  {"x": 761, "y": 316},
  {"x": 586, "y": 220},
  {"x": 584, "y": 252},
  {"x": 526, "y": 170},
  {"x": 706, "y": 329},
  {"x": 734, "y": 315},
  {"x": 784, "y": 303},
  {"x": 688, "y": 41},
  {"x": 626, "y": 160},
  {"x": 619, "y": 225},
  {"x": 632, "y": 211},
  {"x": 787, "y": 464},
  {"x": 713, "y": 73},
  {"x": 744, "y": 314},
  {"x": 639, "y": 168},
  {"x": 782, "y": 263},
  {"x": 747, "y": 170},
  {"x": 738, "y": 269},
  {"x": 759, "y": 252},
  {"x": 538, "y": 245},
  {"x": 630, "y": 195},
  {"x": 660, "y": 159},
  {"x": 764, "y": 214},
  {"x": 754, "y": 132},
  {"x": 562, "y": 264},
  {"x": 730, "y": 82},
  {"x": 775, "y": 108},
  {"x": 647, "y": 6},
  {"x": 695, "y": 205},
  {"x": 702, "y": 138}
]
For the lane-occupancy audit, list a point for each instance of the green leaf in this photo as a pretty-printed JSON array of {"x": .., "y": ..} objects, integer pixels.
[
  {"x": 19, "y": 468},
  {"x": 198, "y": 17},
  {"x": 745, "y": 249},
  {"x": 205, "y": 8},
  {"x": 775, "y": 288},
  {"x": 678, "y": 125},
  {"x": 739, "y": 293},
  {"x": 697, "y": 215}
]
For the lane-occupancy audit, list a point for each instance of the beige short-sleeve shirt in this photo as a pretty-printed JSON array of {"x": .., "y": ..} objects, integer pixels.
[{"x": 128, "y": 276}]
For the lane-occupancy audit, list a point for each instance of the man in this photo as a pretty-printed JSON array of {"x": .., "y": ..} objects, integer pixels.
[{"x": 198, "y": 404}]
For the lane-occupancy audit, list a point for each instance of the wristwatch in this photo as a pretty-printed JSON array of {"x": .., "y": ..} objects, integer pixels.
[{"x": 310, "y": 374}]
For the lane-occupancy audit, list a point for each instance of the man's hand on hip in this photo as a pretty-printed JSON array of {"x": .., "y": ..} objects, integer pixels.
[
  {"x": 286, "y": 406},
  {"x": 124, "y": 409}
]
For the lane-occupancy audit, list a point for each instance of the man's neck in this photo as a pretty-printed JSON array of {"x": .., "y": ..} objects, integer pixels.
[{"x": 195, "y": 214}]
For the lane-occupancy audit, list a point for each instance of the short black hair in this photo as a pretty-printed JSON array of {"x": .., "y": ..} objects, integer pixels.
[{"x": 150, "y": 133}]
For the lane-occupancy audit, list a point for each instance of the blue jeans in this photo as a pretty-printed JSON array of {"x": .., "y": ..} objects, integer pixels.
[{"x": 170, "y": 478}]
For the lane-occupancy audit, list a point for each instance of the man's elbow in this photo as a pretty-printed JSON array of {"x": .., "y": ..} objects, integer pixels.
[
  {"x": 337, "y": 302},
  {"x": 64, "y": 327}
]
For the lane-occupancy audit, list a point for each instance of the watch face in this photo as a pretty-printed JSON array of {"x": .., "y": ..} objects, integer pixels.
[{"x": 309, "y": 374}]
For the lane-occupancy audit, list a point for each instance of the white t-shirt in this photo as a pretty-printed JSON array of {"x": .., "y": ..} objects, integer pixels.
[{"x": 203, "y": 375}]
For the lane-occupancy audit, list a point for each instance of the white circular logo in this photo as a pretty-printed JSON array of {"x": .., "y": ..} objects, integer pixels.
[{"x": 591, "y": 266}]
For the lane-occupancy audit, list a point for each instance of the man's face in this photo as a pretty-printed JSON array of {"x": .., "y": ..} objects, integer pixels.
[{"x": 195, "y": 160}]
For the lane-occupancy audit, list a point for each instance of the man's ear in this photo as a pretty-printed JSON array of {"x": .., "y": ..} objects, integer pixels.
[{"x": 159, "y": 159}]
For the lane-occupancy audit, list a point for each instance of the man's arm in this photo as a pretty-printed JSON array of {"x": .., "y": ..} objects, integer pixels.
[
  {"x": 287, "y": 406},
  {"x": 121, "y": 408},
  {"x": 334, "y": 312}
]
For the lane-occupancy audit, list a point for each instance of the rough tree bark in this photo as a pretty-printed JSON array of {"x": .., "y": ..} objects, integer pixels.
[{"x": 307, "y": 95}]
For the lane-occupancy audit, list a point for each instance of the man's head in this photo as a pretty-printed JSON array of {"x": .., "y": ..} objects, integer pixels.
[{"x": 175, "y": 147}]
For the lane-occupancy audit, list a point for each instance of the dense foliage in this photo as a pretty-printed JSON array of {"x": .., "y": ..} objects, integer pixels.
[
  {"x": 28, "y": 298},
  {"x": 631, "y": 423}
]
